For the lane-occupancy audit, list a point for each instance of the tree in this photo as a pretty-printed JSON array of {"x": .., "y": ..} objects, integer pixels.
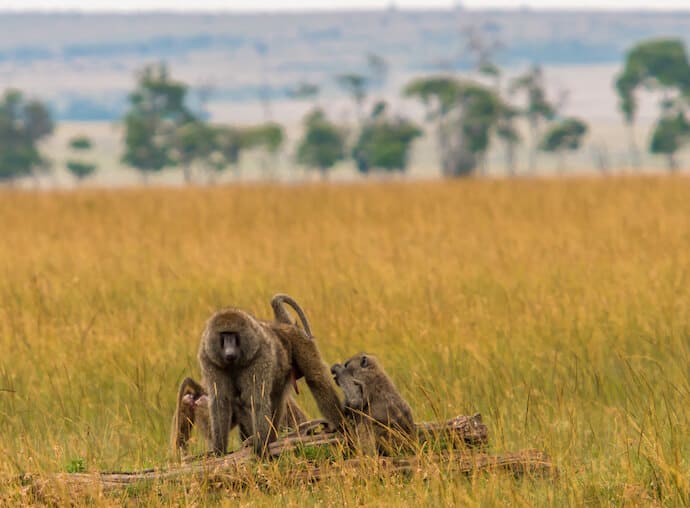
[
  {"x": 538, "y": 108},
  {"x": 157, "y": 110},
  {"x": 483, "y": 49},
  {"x": 660, "y": 64},
  {"x": 356, "y": 86},
  {"x": 671, "y": 132},
  {"x": 384, "y": 142},
  {"x": 78, "y": 167},
  {"x": 322, "y": 145},
  {"x": 440, "y": 95},
  {"x": 565, "y": 135},
  {"x": 467, "y": 113},
  {"x": 508, "y": 134},
  {"x": 268, "y": 136},
  {"x": 226, "y": 145},
  {"x": 221, "y": 146},
  {"x": 22, "y": 125},
  {"x": 190, "y": 142}
]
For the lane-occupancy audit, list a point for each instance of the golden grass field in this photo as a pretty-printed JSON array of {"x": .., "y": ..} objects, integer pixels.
[{"x": 559, "y": 309}]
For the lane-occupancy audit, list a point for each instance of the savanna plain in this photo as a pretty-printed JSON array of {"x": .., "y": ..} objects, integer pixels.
[{"x": 559, "y": 309}]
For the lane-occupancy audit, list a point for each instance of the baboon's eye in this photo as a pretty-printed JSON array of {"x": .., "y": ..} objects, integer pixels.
[{"x": 364, "y": 362}]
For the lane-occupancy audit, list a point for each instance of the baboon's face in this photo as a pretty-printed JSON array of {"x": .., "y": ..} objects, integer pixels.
[
  {"x": 231, "y": 339},
  {"x": 230, "y": 347},
  {"x": 352, "y": 379},
  {"x": 356, "y": 367}
]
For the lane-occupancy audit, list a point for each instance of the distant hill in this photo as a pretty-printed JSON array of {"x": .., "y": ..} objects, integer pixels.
[{"x": 84, "y": 63}]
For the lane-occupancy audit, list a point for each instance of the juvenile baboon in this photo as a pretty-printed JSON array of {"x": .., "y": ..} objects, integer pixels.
[
  {"x": 379, "y": 418},
  {"x": 192, "y": 410},
  {"x": 248, "y": 366}
]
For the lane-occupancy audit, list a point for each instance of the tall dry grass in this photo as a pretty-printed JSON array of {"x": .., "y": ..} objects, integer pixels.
[{"x": 558, "y": 309}]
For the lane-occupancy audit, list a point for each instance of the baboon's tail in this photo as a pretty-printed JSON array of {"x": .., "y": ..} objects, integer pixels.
[{"x": 282, "y": 316}]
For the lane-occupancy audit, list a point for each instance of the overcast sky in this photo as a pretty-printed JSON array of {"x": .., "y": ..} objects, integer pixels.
[{"x": 109, "y": 5}]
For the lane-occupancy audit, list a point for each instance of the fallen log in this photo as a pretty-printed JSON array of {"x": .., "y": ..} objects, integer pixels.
[{"x": 240, "y": 468}]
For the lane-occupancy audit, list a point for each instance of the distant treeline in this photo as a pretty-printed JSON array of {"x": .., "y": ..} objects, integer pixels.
[{"x": 165, "y": 128}]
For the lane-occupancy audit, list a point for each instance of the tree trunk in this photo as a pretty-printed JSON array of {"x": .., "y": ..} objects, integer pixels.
[
  {"x": 632, "y": 147},
  {"x": 535, "y": 146},
  {"x": 672, "y": 163},
  {"x": 510, "y": 158},
  {"x": 187, "y": 173}
]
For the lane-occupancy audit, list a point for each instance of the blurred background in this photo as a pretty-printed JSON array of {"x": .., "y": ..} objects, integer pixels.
[{"x": 121, "y": 93}]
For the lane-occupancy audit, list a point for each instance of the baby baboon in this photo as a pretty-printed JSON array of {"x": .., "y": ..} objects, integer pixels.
[
  {"x": 248, "y": 366},
  {"x": 380, "y": 419},
  {"x": 192, "y": 410}
]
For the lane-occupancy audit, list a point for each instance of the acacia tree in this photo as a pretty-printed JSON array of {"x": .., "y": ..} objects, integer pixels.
[
  {"x": 79, "y": 167},
  {"x": 440, "y": 96},
  {"x": 269, "y": 137},
  {"x": 23, "y": 123},
  {"x": 671, "y": 132},
  {"x": 658, "y": 64},
  {"x": 322, "y": 145},
  {"x": 538, "y": 109},
  {"x": 221, "y": 146},
  {"x": 565, "y": 135},
  {"x": 190, "y": 142},
  {"x": 483, "y": 50},
  {"x": 356, "y": 86},
  {"x": 157, "y": 110},
  {"x": 467, "y": 114},
  {"x": 384, "y": 142}
]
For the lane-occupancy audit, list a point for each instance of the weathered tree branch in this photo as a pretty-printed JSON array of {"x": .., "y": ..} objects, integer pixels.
[{"x": 240, "y": 468}]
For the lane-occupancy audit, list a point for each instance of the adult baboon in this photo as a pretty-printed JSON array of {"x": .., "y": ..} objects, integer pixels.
[
  {"x": 248, "y": 366},
  {"x": 380, "y": 419}
]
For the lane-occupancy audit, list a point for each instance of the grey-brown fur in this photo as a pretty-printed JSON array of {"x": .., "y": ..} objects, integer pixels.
[
  {"x": 379, "y": 417},
  {"x": 248, "y": 366},
  {"x": 192, "y": 411}
]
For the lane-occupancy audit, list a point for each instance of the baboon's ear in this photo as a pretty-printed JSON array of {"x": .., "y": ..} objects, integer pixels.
[{"x": 364, "y": 362}]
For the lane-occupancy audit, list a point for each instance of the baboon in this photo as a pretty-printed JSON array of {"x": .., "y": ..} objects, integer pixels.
[
  {"x": 192, "y": 398},
  {"x": 192, "y": 410},
  {"x": 248, "y": 366},
  {"x": 379, "y": 418}
]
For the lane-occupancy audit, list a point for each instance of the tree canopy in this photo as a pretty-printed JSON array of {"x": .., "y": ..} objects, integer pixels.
[
  {"x": 23, "y": 123},
  {"x": 323, "y": 143},
  {"x": 384, "y": 142},
  {"x": 157, "y": 110}
]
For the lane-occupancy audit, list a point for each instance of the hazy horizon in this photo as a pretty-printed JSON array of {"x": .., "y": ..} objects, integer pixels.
[{"x": 318, "y": 5}]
